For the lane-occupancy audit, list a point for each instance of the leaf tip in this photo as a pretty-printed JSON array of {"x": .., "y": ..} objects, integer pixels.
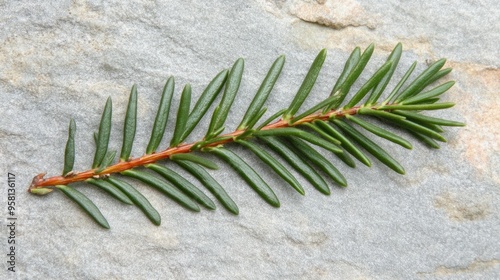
[
  {"x": 323, "y": 52},
  {"x": 238, "y": 64}
]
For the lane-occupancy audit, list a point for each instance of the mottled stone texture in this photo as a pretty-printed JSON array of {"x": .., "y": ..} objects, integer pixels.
[{"x": 62, "y": 59}]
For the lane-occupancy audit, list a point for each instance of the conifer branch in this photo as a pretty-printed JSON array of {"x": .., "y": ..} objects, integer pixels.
[{"x": 344, "y": 131}]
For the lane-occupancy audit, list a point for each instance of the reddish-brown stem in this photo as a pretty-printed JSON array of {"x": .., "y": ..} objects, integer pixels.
[{"x": 40, "y": 182}]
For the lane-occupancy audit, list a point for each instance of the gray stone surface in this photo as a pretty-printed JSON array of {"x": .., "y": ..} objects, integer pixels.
[{"x": 62, "y": 59}]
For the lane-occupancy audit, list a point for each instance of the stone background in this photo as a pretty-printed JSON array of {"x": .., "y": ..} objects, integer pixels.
[{"x": 62, "y": 59}]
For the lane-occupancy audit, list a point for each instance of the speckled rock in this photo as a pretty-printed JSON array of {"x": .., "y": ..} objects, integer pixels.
[{"x": 62, "y": 59}]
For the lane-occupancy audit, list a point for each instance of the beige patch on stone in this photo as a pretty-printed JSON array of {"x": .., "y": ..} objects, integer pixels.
[
  {"x": 473, "y": 267},
  {"x": 334, "y": 14},
  {"x": 478, "y": 91},
  {"x": 463, "y": 208}
]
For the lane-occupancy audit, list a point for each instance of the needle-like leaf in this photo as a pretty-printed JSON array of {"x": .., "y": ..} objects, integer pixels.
[
  {"x": 232, "y": 86},
  {"x": 371, "y": 147},
  {"x": 298, "y": 163},
  {"x": 430, "y": 126},
  {"x": 161, "y": 116},
  {"x": 206, "y": 99},
  {"x": 108, "y": 159},
  {"x": 184, "y": 185},
  {"x": 85, "y": 203},
  {"x": 429, "y": 94},
  {"x": 182, "y": 116},
  {"x": 138, "y": 199},
  {"x": 274, "y": 164},
  {"x": 306, "y": 86},
  {"x": 311, "y": 138},
  {"x": 352, "y": 77},
  {"x": 255, "y": 119},
  {"x": 346, "y": 143},
  {"x": 372, "y": 82},
  {"x": 380, "y": 114},
  {"x": 315, "y": 108},
  {"x": 413, "y": 88},
  {"x": 351, "y": 62},
  {"x": 164, "y": 187},
  {"x": 210, "y": 142},
  {"x": 196, "y": 159},
  {"x": 425, "y": 139},
  {"x": 248, "y": 174},
  {"x": 420, "y": 129},
  {"x": 306, "y": 151},
  {"x": 212, "y": 131},
  {"x": 418, "y": 107},
  {"x": 380, "y": 132},
  {"x": 356, "y": 71},
  {"x": 264, "y": 90},
  {"x": 441, "y": 73},
  {"x": 103, "y": 135},
  {"x": 427, "y": 119},
  {"x": 346, "y": 159},
  {"x": 41, "y": 191},
  {"x": 401, "y": 82},
  {"x": 382, "y": 84},
  {"x": 211, "y": 184},
  {"x": 130, "y": 124},
  {"x": 69, "y": 152},
  {"x": 110, "y": 189},
  {"x": 323, "y": 134}
]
